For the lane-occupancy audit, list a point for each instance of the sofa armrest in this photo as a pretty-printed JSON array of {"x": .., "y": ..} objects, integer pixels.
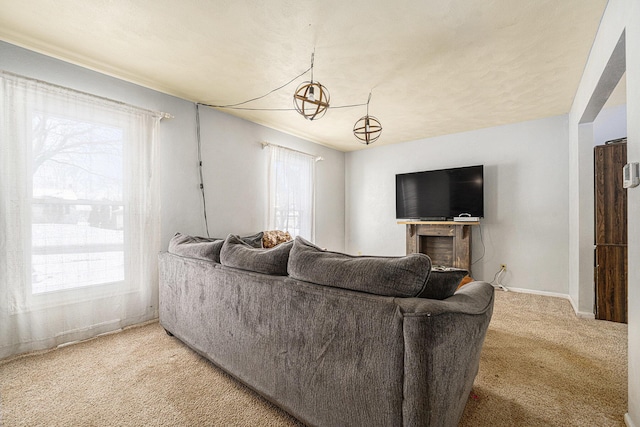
[
  {"x": 472, "y": 298},
  {"x": 443, "y": 341}
]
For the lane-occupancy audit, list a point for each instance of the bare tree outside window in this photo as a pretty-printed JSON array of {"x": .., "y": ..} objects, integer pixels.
[{"x": 77, "y": 203}]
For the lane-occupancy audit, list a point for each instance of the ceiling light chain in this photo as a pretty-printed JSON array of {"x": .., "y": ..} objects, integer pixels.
[
  {"x": 368, "y": 128},
  {"x": 313, "y": 54}
]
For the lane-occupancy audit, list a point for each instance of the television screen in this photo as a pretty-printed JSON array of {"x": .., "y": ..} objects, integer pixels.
[{"x": 440, "y": 194}]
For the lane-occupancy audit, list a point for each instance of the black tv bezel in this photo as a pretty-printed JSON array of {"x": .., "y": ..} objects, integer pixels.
[{"x": 437, "y": 218}]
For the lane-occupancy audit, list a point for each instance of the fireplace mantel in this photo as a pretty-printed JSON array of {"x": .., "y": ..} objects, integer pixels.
[{"x": 448, "y": 243}]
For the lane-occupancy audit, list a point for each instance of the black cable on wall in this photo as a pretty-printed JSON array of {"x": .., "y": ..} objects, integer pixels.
[{"x": 204, "y": 200}]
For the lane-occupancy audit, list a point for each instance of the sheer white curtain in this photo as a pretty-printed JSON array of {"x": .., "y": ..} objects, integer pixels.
[
  {"x": 291, "y": 192},
  {"x": 79, "y": 215}
]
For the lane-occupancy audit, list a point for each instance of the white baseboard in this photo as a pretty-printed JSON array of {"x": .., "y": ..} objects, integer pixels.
[
  {"x": 581, "y": 314},
  {"x": 627, "y": 420}
]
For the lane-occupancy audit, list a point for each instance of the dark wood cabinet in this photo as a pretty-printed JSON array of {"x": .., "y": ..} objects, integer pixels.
[{"x": 610, "y": 233}]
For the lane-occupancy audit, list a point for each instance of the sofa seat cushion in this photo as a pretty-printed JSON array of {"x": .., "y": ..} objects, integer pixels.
[
  {"x": 196, "y": 247},
  {"x": 404, "y": 276},
  {"x": 238, "y": 254}
]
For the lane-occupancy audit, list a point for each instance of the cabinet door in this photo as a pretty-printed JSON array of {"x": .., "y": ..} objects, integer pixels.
[
  {"x": 611, "y": 283},
  {"x": 610, "y": 196}
]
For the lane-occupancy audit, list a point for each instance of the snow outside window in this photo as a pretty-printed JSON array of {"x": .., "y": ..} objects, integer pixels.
[{"x": 79, "y": 215}]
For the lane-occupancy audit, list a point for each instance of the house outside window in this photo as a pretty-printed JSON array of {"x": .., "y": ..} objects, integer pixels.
[
  {"x": 79, "y": 214},
  {"x": 77, "y": 204}
]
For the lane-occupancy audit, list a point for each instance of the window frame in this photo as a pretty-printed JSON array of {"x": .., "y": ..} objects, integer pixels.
[
  {"x": 278, "y": 167},
  {"x": 108, "y": 117}
]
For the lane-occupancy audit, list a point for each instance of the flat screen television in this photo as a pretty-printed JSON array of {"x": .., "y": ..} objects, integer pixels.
[{"x": 440, "y": 194}]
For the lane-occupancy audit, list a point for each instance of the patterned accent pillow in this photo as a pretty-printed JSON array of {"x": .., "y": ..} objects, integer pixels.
[{"x": 273, "y": 238}]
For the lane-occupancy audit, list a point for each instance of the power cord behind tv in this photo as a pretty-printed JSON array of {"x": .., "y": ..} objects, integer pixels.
[{"x": 481, "y": 242}]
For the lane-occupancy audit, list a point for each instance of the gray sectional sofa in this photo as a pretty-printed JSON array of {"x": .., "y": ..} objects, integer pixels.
[{"x": 334, "y": 340}]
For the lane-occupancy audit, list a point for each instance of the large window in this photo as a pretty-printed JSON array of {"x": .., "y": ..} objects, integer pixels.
[
  {"x": 77, "y": 205},
  {"x": 291, "y": 192},
  {"x": 79, "y": 215}
]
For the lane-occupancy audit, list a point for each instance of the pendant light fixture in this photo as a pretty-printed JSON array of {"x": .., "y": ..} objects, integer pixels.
[
  {"x": 311, "y": 99},
  {"x": 367, "y": 129}
]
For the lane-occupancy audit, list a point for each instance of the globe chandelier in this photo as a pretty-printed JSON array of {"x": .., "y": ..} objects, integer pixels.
[
  {"x": 311, "y": 99},
  {"x": 368, "y": 128}
]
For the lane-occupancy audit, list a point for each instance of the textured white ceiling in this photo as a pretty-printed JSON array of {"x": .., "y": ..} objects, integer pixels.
[{"x": 434, "y": 67}]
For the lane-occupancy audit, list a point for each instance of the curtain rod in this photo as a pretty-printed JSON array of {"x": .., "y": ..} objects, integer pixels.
[
  {"x": 161, "y": 114},
  {"x": 268, "y": 144}
]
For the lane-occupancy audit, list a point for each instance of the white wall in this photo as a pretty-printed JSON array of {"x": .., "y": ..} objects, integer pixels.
[
  {"x": 234, "y": 164},
  {"x": 526, "y": 210},
  {"x": 611, "y": 123},
  {"x": 235, "y": 172},
  {"x": 620, "y": 16},
  {"x": 633, "y": 206}
]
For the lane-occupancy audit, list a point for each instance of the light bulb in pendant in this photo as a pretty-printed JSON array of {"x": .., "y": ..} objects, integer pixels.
[
  {"x": 367, "y": 129},
  {"x": 306, "y": 103}
]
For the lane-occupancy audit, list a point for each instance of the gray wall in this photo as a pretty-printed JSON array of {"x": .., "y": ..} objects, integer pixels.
[
  {"x": 235, "y": 173},
  {"x": 234, "y": 164},
  {"x": 526, "y": 205}
]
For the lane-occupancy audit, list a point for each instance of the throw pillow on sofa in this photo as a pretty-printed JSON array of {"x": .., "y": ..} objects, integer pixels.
[
  {"x": 404, "y": 276},
  {"x": 238, "y": 254},
  {"x": 466, "y": 279},
  {"x": 207, "y": 248},
  {"x": 443, "y": 283},
  {"x": 273, "y": 238},
  {"x": 196, "y": 247},
  {"x": 254, "y": 240}
]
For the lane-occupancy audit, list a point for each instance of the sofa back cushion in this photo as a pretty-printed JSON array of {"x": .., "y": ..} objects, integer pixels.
[
  {"x": 389, "y": 276},
  {"x": 254, "y": 240},
  {"x": 443, "y": 283},
  {"x": 238, "y": 254},
  {"x": 196, "y": 247}
]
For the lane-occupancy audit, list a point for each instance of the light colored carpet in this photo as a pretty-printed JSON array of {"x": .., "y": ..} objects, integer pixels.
[{"x": 541, "y": 366}]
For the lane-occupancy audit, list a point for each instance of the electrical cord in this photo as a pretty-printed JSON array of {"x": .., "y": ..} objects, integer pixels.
[
  {"x": 279, "y": 109},
  {"x": 482, "y": 242},
  {"x": 236, "y": 106},
  {"x": 261, "y": 96},
  {"x": 204, "y": 200},
  {"x": 498, "y": 277}
]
